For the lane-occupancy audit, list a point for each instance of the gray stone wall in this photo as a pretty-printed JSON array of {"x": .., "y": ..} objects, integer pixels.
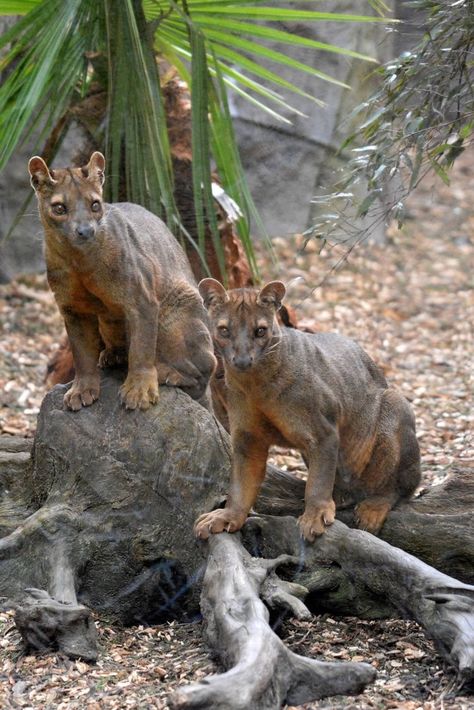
[
  {"x": 21, "y": 249},
  {"x": 287, "y": 164}
]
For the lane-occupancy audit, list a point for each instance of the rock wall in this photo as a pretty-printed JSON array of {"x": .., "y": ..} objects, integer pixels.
[
  {"x": 286, "y": 164},
  {"x": 21, "y": 249}
]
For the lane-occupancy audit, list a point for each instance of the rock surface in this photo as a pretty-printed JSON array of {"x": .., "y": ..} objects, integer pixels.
[{"x": 109, "y": 505}]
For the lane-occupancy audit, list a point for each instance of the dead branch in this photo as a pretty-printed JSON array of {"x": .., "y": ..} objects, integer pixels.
[
  {"x": 356, "y": 571},
  {"x": 262, "y": 672}
]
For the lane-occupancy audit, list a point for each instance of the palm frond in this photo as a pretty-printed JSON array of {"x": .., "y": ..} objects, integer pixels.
[
  {"x": 240, "y": 28},
  {"x": 49, "y": 47},
  {"x": 223, "y": 24},
  {"x": 229, "y": 166},
  {"x": 214, "y": 45},
  {"x": 17, "y": 7},
  {"x": 201, "y": 166},
  {"x": 136, "y": 130},
  {"x": 233, "y": 78},
  {"x": 238, "y": 59}
]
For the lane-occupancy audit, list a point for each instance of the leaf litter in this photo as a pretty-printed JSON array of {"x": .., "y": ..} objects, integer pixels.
[{"x": 410, "y": 304}]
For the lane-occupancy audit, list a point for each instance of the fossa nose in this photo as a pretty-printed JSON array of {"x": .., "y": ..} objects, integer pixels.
[
  {"x": 242, "y": 362},
  {"x": 85, "y": 231}
]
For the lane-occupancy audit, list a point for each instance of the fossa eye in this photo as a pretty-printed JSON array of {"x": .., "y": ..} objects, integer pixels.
[
  {"x": 58, "y": 209},
  {"x": 223, "y": 331},
  {"x": 260, "y": 332},
  {"x": 96, "y": 206}
]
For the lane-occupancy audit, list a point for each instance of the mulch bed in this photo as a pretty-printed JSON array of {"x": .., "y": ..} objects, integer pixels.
[
  {"x": 411, "y": 306},
  {"x": 139, "y": 667}
]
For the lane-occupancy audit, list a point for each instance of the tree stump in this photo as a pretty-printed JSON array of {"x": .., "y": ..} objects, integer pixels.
[
  {"x": 105, "y": 513},
  {"x": 102, "y": 518}
]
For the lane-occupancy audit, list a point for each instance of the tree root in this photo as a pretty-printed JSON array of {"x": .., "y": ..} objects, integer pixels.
[
  {"x": 437, "y": 526},
  {"x": 355, "y": 565},
  {"x": 46, "y": 623},
  {"x": 262, "y": 673}
]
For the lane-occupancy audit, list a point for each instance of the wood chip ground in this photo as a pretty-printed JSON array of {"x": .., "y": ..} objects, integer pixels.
[{"x": 411, "y": 305}]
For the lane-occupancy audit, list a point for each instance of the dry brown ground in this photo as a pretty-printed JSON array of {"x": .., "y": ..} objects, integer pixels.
[{"x": 411, "y": 305}]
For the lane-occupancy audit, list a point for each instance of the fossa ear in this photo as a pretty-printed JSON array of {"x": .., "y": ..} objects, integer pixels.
[
  {"x": 95, "y": 168},
  {"x": 272, "y": 294},
  {"x": 40, "y": 176},
  {"x": 212, "y": 292}
]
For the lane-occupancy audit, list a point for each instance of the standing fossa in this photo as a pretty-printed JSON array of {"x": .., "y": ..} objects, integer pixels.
[
  {"x": 124, "y": 288},
  {"x": 319, "y": 393}
]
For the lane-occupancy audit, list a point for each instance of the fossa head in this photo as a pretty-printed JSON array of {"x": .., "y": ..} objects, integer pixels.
[
  {"x": 70, "y": 199},
  {"x": 243, "y": 321}
]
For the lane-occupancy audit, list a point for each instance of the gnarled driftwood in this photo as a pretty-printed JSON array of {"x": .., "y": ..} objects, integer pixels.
[
  {"x": 102, "y": 519},
  {"x": 263, "y": 673}
]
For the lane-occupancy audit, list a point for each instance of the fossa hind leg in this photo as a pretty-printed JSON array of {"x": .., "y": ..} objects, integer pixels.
[
  {"x": 393, "y": 471},
  {"x": 114, "y": 353},
  {"x": 188, "y": 358}
]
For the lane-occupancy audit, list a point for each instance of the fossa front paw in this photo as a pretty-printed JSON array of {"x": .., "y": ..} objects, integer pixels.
[
  {"x": 315, "y": 519},
  {"x": 139, "y": 391},
  {"x": 82, "y": 393},
  {"x": 217, "y": 521}
]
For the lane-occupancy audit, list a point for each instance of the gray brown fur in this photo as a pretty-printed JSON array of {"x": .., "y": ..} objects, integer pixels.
[
  {"x": 124, "y": 287},
  {"x": 319, "y": 393}
]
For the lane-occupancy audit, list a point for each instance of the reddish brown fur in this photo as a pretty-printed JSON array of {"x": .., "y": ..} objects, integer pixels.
[
  {"x": 319, "y": 393},
  {"x": 61, "y": 366},
  {"x": 124, "y": 288}
]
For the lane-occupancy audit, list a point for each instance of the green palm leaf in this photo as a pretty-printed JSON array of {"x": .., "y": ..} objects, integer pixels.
[
  {"x": 136, "y": 130},
  {"x": 223, "y": 23},
  {"x": 202, "y": 190},
  {"x": 230, "y": 168},
  {"x": 18, "y": 7},
  {"x": 49, "y": 49},
  {"x": 60, "y": 47},
  {"x": 233, "y": 78}
]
